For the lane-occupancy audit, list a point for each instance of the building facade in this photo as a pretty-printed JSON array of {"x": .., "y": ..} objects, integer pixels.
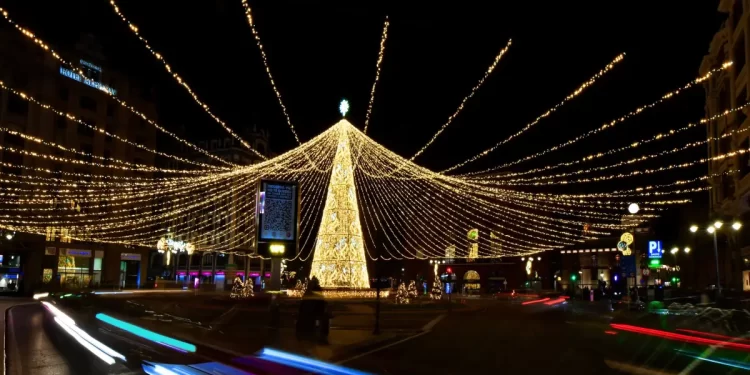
[
  {"x": 55, "y": 260},
  {"x": 207, "y": 269},
  {"x": 730, "y": 177}
]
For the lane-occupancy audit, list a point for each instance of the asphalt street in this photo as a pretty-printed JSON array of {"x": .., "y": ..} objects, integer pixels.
[
  {"x": 536, "y": 339},
  {"x": 35, "y": 346}
]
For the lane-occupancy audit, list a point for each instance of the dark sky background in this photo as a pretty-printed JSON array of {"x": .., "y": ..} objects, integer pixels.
[{"x": 323, "y": 51}]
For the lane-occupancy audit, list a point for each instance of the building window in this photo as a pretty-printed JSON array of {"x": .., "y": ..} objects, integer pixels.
[
  {"x": 111, "y": 109},
  {"x": 17, "y": 105},
  {"x": 61, "y": 122},
  {"x": 14, "y": 140},
  {"x": 73, "y": 268},
  {"x": 63, "y": 93},
  {"x": 85, "y": 130},
  {"x": 739, "y": 53},
  {"x": 87, "y": 103}
]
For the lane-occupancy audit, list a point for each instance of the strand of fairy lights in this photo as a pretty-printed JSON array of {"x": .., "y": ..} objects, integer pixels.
[
  {"x": 77, "y": 120},
  {"x": 377, "y": 215},
  {"x": 120, "y": 222},
  {"x": 29, "y": 34},
  {"x": 369, "y": 153},
  {"x": 634, "y": 160},
  {"x": 656, "y": 137},
  {"x": 221, "y": 209},
  {"x": 465, "y": 99},
  {"x": 381, "y": 53},
  {"x": 610, "y": 124},
  {"x": 364, "y": 165},
  {"x": 134, "y": 29},
  {"x": 424, "y": 189},
  {"x": 641, "y": 172},
  {"x": 590, "y": 82},
  {"x": 249, "y": 16}
]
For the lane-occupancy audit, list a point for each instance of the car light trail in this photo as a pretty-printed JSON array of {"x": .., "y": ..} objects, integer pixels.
[
  {"x": 41, "y": 295},
  {"x": 103, "y": 356},
  {"x": 535, "y": 301},
  {"x": 556, "y": 301},
  {"x": 681, "y": 337},
  {"x": 146, "y": 334},
  {"x": 714, "y": 335},
  {"x": 305, "y": 363},
  {"x": 719, "y": 361},
  {"x": 69, "y": 325}
]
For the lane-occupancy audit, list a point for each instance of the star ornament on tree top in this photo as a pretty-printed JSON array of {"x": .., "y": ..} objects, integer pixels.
[{"x": 344, "y": 107}]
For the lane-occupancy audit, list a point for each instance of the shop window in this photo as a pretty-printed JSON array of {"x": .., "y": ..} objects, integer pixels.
[
  {"x": 11, "y": 261},
  {"x": 73, "y": 268},
  {"x": 47, "y": 275},
  {"x": 8, "y": 282},
  {"x": 97, "y": 271}
]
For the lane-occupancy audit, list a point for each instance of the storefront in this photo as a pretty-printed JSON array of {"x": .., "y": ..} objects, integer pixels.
[
  {"x": 10, "y": 272},
  {"x": 130, "y": 270},
  {"x": 77, "y": 268}
]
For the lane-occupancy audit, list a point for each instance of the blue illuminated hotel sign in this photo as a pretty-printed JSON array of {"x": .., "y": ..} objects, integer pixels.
[{"x": 86, "y": 81}]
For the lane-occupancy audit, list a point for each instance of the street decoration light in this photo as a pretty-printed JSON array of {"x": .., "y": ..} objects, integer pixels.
[
  {"x": 693, "y": 228},
  {"x": 736, "y": 225},
  {"x": 718, "y": 224},
  {"x": 687, "y": 250},
  {"x": 674, "y": 250},
  {"x": 634, "y": 208}
]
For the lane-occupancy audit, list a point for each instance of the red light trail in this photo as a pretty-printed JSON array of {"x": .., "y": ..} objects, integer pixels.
[{"x": 681, "y": 337}]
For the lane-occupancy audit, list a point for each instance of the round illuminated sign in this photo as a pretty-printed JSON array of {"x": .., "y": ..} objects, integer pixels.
[
  {"x": 473, "y": 234},
  {"x": 622, "y": 246}
]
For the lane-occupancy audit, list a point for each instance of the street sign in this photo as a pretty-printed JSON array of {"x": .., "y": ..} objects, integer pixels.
[{"x": 654, "y": 249}]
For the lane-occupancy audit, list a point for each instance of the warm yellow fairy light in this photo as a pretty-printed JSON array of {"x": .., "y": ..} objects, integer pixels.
[
  {"x": 181, "y": 81},
  {"x": 610, "y": 124},
  {"x": 381, "y": 52},
  {"x": 466, "y": 98},
  {"x": 568, "y": 98},
  {"x": 339, "y": 260},
  {"x": 249, "y": 16},
  {"x": 419, "y": 213}
]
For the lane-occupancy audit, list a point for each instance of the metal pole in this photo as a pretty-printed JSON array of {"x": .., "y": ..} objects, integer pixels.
[
  {"x": 376, "y": 331},
  {"x": 716, "y": 255}
]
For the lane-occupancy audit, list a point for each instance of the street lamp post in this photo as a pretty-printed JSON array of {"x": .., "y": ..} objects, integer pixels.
[{"x": 712, "y": 229}]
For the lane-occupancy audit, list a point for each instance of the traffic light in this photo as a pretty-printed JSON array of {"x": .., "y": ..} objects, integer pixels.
[
  {"x": 573, "y": 277},
  {"x": 449, "y": 270}
]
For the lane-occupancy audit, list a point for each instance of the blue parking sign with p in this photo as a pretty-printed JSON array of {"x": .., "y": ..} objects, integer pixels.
[{"x": 654, "y": 249}]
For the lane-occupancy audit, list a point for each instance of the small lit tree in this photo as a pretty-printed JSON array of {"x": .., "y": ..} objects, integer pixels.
[
  {"x": 402, "y": 296},
  {"x": 437, "y": 290},
  {"x": 412, "y": 291}
]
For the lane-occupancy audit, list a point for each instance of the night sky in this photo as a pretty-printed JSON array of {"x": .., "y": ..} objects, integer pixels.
[{"x": 321, "y": 52}]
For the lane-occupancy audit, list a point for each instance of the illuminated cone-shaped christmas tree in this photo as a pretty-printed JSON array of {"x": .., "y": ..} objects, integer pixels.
[{"x": 339, "y": 259}]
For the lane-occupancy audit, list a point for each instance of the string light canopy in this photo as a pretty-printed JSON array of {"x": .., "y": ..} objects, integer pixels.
[{"x": 358, "y": 197}]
